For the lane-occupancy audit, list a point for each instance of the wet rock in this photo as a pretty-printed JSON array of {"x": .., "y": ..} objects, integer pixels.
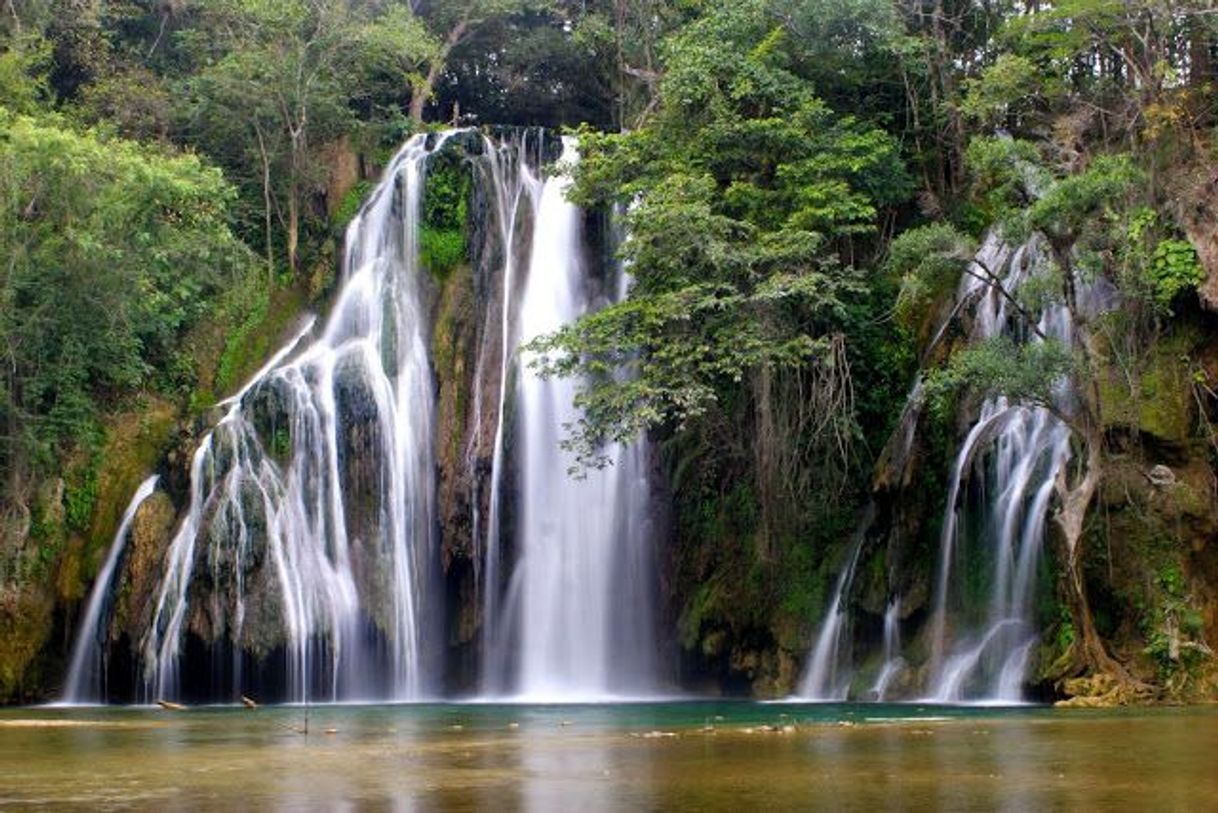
[
  {"x": 1102, "y": 691},
  {"x": 151, "y": 533},
  {"x": 1161, "y": 476}
]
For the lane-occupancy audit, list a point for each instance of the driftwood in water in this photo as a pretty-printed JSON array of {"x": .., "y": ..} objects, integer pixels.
[{"x": 165, "y": 704}]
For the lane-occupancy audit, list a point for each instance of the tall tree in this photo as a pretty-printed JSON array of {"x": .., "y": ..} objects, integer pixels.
[
  {"x": 277, "y": 79},
  {"x": 111, "y": 251},
  {"x": 453, "y": 22}
]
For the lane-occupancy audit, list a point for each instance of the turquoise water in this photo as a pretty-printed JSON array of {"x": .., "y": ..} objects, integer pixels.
[{"x": 638, "y": 756}]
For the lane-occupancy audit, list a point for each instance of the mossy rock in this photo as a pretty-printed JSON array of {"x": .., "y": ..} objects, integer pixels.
[
  {"x": 151, "y": 533},
  {"x": 134, "y": 444},
  {"x": 25, "y": 628},
  {"x": 1101, "y": 691},
  {"x": 1161, "y": 402}
]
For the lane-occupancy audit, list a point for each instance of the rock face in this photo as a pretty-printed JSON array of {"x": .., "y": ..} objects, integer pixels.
[{"x": 1198, "y": 211}]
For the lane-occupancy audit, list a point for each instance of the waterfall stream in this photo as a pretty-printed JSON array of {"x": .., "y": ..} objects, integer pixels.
[
  {"x": 318, "y": 481},
  {"x": 86, "y": 681},
  {"x": 579, "y": 598},
  {"x": 516, "y": 191},
  {"x": 893, "y": 662},
  {"x": 310, "y": 547},
  {"x": 999, "y": 493},
  {"x": 1012, "y": 454},
  {"x": 828, "y": 674}
]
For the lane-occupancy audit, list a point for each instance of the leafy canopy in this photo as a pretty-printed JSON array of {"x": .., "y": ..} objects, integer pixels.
[
  {"x": 742, "y": 196},
  {"x": 113, "y": 250}
]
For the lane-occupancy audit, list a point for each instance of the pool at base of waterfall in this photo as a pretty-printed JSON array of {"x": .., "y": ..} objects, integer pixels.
[{"x": 701, "y": 755}]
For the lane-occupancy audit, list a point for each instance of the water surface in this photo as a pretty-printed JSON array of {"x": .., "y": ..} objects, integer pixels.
[{"x": 689, "y": 756}]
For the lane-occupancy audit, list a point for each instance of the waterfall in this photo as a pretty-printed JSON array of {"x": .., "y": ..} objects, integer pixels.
[
  {"x": 516, "y": 192},
  {"x": 306, "y": 563},
  {"x": 893, "y": 662},
  {"x": 311, "y": 518},
  {"x": 86, "y": 681},
  {"x": 1011, "y": 458},
  {"x": 579, "y": 597},
  {"x": 828, "y": 675}
]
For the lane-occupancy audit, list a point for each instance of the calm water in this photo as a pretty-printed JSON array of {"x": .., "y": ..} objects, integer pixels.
[{"x": 687, "y": 756}]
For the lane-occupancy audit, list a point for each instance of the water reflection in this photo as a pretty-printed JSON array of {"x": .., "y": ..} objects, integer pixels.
[{"x": 657, "y": 756}]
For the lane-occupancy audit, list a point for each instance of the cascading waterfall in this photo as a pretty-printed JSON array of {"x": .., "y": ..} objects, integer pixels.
[
  {"x": 1001, "y": 486},
  {"x": 517, "y": 187},
  {"x": 319, "y": 481},
  {"x": 86, "y": 681},
  {"x": 1011, "y": 456},
  {"x": 579, "y": 599},
  {"x": 893, "y": 662},
  {"x": 306, "y": 563},
  {"x": 828, "y": 675}
]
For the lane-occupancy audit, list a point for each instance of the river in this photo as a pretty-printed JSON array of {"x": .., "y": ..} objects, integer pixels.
[{"x": 668, "y": 755}]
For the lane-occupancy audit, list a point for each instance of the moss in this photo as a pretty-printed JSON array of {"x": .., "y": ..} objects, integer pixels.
[
  {"x": 349, "y": 206},
  {"x": 1160, "y": 401},
  {"x": 450, "y": 337},
  {"x": 150, "y": 535},
  {"x": 25, "y": 629},
  {"x": 257, "y": 336},
  {"x": 441, "y": 250},
  {"x": 134, "y": 443}
]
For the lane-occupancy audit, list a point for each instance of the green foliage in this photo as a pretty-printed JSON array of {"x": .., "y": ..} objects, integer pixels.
[
  {"x": 445, "y": 214},
  {"x": 440, "y": 251},
  {"x": 349, "y": 207},
  {"x": 113, "y": 250},
  {"x": 236, "y": 356},
  {"x": 1007, "y": 174},
  {"x": 1171, "y": 626},
  {"x": 24, "y": 62},
  {"x": 743, "y": 190},
  {"x": 1011, "y": 82},
  {"x": 1174, "y": 269},
  {"x": 81, "y": 488},
  {"x": 929, "y": 260},
  {"x": 1025, "y": 372},
  {"x": 1069, "y": 207},
  {"x": 274, "y": 78}
]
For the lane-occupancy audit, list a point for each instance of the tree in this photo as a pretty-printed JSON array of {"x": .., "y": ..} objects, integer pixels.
[
  {"x": 452, "y": 23},
  {"x": 277, "y": 79},
  {"x": 745, "y": 198},
  {"x": 1090, "y": 222},
  {"x": 112, "y": 250}
]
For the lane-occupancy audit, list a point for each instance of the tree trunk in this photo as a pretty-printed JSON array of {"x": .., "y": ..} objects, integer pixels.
[
  {"x": 1200, "y": 52},
  {"x": 418, "y": 99},
  {"x": 1075, "y": 502},
  {"x": 266, "y": 205},
  {"x": 293, "y": 225},
  {"x": 422, "y": 93},
  {"x": 299, "y": 156}
]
